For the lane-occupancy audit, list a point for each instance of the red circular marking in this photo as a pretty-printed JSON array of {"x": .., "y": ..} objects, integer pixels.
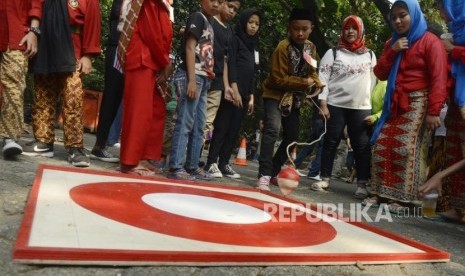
[{"x": 122, "y": 202}]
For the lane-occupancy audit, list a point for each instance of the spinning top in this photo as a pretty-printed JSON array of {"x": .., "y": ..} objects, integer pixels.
[{"x": 288, "y": 180}]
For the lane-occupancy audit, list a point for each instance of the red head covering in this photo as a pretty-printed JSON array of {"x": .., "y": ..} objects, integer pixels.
[{"x": 359, "y": 44}]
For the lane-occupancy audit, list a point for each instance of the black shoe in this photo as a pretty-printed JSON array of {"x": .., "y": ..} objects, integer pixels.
[
  {"x": 103, "y": 155},
  {"x": 78, "y": 158},
  {"x": 229, "y": 172},
  {"x": 37, "y": 148}
]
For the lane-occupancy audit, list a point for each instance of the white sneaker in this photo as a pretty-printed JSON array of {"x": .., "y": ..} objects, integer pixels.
[
  {"x": 300, "y": 173},
  {"x": 115, "y": 145},
  {"x": 316, "y": 177},
  {"x": 10, "y": 148},
  {"x": 214, "y": 171},
  {"x": 263, "y": 183}
]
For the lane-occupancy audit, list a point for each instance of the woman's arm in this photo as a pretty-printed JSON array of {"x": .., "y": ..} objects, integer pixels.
[
  {"x": 435, "y": 182},
  {"x": 191, "y": 42}
]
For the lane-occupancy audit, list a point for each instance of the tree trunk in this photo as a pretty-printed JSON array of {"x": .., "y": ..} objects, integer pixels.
[{"x": 384, "y": 7}]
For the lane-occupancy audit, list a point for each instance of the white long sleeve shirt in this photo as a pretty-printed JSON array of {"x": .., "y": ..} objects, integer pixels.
[{"x": 349, "y": 78}]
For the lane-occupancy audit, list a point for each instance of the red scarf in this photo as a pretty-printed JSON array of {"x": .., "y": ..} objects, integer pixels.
[{"x": 359, "y": 44}]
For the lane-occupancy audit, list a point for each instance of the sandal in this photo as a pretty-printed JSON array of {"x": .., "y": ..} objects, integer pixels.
[
  {"x": 361, "y": 193},
  {"x": 396, "y": 209},
  {"x": 149, "y": 165},
  {"x": 320, "y": 185},
  {"x": 372, "y": 201},
  {"x": 137, "y": 170}
]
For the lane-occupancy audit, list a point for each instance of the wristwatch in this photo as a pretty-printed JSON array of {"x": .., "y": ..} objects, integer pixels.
[{"x": 35, "y": 30}]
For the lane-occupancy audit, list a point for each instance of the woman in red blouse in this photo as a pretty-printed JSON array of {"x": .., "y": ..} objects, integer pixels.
[{"x": 414, "y": 62}]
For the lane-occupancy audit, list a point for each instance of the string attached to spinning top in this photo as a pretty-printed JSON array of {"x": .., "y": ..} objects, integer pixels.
[{"x": 288, "y": 178}]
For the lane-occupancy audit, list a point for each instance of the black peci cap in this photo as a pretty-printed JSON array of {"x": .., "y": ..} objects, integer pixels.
[{"x": 301, "y": 14}]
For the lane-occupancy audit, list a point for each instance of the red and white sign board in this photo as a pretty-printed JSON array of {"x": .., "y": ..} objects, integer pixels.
[{"x": 77, "y": 216}]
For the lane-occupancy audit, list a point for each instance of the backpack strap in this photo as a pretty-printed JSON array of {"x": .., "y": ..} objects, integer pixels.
[{"x": 335, "y": 51}]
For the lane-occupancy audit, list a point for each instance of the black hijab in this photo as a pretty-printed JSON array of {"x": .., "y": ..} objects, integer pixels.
[{"x": 251, "y": 42}]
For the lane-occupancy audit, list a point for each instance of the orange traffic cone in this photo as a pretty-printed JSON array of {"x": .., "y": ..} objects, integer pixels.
[
  {"x": 294, "y": 154},
  {"x": 241, "y": 158}
]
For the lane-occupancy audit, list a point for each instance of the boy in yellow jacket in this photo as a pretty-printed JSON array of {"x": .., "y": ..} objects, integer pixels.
[{"x": 293, "y": 71}]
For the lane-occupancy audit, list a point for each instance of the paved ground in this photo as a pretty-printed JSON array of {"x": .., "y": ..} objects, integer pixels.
[{"x": 16, "y": 178}]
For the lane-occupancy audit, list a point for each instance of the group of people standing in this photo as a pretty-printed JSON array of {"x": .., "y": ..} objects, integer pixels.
[
  {"x": 224, "y": 89},
  {"x": 390, "y": 148},
  {"x": 56, "y": 40},
  {"x": 218, "y": 62},
  {"x": 345, "y": 80},
  {"x": 215, "y": 85}
]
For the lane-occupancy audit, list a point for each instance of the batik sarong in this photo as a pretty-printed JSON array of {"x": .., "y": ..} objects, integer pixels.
[{"x": 399, "y": 163}]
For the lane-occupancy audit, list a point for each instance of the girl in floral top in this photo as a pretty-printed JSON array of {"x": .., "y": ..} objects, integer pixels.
[{"x": 347, "y": 72}]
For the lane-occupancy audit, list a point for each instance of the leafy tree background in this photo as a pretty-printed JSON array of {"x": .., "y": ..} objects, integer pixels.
[{"x": 329, "y": 16}]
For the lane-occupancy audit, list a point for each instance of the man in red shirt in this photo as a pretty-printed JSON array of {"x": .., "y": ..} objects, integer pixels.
[
  {"x": 70, "y": 36},
  {"x": 18, "y": 43}
]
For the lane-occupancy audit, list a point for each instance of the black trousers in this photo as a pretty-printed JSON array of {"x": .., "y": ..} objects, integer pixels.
[
  {"x": 112, "y": 97},
  {"x": 227, "y": 124},
  {"x": 270, "y": 164},
  {"x": 359, "y": 139}
]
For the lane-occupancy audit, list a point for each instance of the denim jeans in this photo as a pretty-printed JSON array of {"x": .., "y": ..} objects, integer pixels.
[
  {"x": 315, "y": 133},
  {"x": 315, "y": 166},
  {"x": 115, "y": 130},
  {"x": 268, "y": 164},
  {"x": 190, "y": 123}
]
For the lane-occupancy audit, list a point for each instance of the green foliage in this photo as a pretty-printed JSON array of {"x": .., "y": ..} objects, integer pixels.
[{"x": 333, "y": 12}]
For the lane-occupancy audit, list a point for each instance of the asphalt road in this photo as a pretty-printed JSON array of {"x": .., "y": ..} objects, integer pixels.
[{"x": 16, "y": 177}]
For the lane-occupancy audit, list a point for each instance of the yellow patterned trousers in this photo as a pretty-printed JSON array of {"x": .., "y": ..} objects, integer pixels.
[
  {"x": 48, "y": 89},
  {"x": 13, "y": 70}
]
